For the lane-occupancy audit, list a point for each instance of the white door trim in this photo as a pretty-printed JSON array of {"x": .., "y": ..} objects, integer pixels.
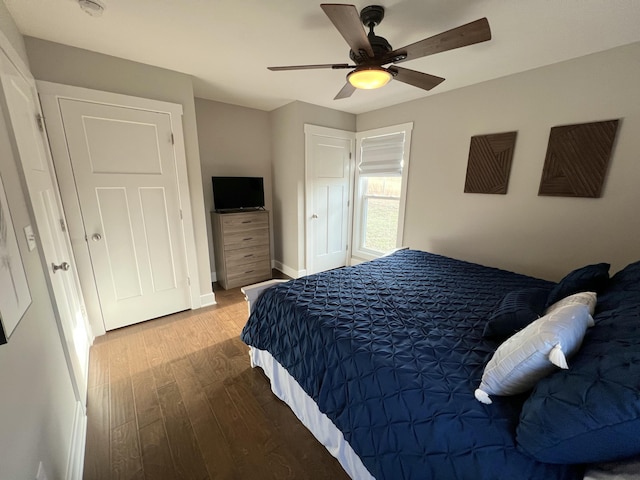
[
  {"x": 310, "y": 130},
  {"x": 50, "y": 94}
]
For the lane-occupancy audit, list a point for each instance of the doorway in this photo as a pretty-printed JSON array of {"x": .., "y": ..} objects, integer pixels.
[{"x": 24, "y": 112}]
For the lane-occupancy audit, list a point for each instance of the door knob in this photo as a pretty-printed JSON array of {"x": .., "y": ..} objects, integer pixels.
[
  {"x": 315, "y": 215},
  {"x": 96, "y": 237},
  {"x": 64, "y": 266}
]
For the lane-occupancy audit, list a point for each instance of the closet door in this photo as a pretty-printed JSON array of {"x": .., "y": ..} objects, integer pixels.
[
  {"x": 125, "y": 174},
  {"x": 328, "y": 180}
]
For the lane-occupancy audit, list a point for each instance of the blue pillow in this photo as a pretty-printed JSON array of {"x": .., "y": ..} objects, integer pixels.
[
  {"x": 516, "y": 310},
  {"x": 591, "y": 278},
  {"x": 590, "y": 412},
  {"x": 623, "y": 288}
]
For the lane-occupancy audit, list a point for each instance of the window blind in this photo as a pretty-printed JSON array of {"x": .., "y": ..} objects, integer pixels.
[{"x": 382, "y": 156}]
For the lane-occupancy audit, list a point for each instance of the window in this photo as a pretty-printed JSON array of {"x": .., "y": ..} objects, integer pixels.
[
  {"x": 381, "y": 179},
  {"x": 380, "y": 209}
]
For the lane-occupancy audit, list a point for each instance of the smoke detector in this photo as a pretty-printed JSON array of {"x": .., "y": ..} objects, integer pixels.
[{"x": 92, "y": 7}]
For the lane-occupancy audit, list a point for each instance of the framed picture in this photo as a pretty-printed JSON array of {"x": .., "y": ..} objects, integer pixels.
[
  {"x": 489, "y": 163},
  {"x": 15, "y": 297},
  {"x": 577, "y": 159}
]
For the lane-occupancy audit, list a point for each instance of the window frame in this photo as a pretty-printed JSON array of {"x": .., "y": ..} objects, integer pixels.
[{"x": 358, "y": 252}]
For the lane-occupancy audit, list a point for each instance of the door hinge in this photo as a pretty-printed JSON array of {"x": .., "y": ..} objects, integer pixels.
[
  {"x": 189, "y": 281},
  {"x": 349, "y": 155},
  {"x": 63, "y": 227},
  {"x": 181, "y": 218},
  {"x": 173, "y": 141},
  {"x": 40, "y": 120}
]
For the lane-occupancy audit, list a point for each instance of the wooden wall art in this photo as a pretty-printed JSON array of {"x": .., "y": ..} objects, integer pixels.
[
  {"x": 577, "y": 159},
  {"x": 490, "y": 163}
]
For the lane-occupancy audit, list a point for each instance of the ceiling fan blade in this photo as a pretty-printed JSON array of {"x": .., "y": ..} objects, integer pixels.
[
  {"x": 346, "y": 91},
  {"x": 469, "y": 34},
  {"x": 347, "y": 20},
  {"x": 417, "y": 79},
  {"x": 335, "y": 66}
]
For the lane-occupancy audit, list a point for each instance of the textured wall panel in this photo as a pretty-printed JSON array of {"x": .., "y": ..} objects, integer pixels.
[
  {"x": 577, "y": 159},
  {"x": 490, "y": 163}
]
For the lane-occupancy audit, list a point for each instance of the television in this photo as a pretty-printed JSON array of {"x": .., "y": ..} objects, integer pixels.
[{"x": 237, "y": 193}]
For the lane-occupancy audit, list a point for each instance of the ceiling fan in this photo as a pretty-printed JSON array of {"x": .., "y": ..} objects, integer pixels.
[{"x": 371, "y": 53}]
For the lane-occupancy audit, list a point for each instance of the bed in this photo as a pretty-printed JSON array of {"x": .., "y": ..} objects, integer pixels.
[{"x": 380, "y": 361}]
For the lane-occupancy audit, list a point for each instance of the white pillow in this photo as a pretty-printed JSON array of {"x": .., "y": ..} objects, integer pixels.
[
  {"x": 534, "y": 352},
  {"x": 583, "y": 298}
]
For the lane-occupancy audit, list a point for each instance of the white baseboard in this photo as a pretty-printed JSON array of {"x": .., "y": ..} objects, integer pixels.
[
  {"x": 356, "y": 261},
  {"x": 214, "y": 277},
  {"x": 288, "y": 270},
  {"x": 207, "y": 299},
  {"x": 75, "y": 465}
]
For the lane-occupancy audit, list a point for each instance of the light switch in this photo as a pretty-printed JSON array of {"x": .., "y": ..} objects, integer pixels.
[{"x": 31, "y": 237}]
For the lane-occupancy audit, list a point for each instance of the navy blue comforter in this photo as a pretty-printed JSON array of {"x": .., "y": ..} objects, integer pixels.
[{"x": 391, "y": 351}]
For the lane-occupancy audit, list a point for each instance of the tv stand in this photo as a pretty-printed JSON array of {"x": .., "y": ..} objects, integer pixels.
[{"x": 241, "y": 247}]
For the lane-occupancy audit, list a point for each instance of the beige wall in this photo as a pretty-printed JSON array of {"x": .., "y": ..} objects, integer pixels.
[
  {"x": 537, "y": 235},
  {"x": 542, "y": 236},
  {"x": 287, "y": 167},
  {"x": 58, "y": 63},
  {"x": 234, "y": 141},
  {"x": 287, "y": 137},
  {"x": 37, "y": 402}
]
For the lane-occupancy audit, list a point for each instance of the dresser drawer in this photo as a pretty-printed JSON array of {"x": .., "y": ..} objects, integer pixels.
[
  {"x": 249, "y": 280},
  {"x": 248, "y": 273},
  {"x": 246, "y": 238},
  {"x": 247, "y": 221},
  {"x": 243, "y": 256}
]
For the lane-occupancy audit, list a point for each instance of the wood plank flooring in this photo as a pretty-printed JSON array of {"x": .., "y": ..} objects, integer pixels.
[{"x": 175, "y": 398}]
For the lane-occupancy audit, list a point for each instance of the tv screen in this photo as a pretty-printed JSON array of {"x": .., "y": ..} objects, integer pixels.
[{"x": 236, "y": 193}]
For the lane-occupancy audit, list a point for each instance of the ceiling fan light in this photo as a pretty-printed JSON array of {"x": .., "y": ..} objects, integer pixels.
[{"x": 369, "y": 78}]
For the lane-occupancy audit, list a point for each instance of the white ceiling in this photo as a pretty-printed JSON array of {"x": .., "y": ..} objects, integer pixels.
[{"x": 227, "y": 44}]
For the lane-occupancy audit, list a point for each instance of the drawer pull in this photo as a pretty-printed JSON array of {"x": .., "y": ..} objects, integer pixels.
[
  {"x": 246, "y": 239},
  {"x": 247, "y": 221},
  {"x": 250, "y": 255},
  {"x": 249, "y": 271}
]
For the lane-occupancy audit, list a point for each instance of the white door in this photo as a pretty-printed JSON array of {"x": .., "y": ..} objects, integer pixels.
[
  {"x": 21, "y": 99},
  {"x": 125, "y": 174},
  {"x": 328, "y": 184}
]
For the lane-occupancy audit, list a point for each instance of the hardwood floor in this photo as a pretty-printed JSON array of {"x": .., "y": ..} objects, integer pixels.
[{"x": 176, "y": 398}]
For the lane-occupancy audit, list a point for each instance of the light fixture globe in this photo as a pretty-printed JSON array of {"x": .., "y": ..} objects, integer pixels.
[{"x": 369, "y": 78}]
